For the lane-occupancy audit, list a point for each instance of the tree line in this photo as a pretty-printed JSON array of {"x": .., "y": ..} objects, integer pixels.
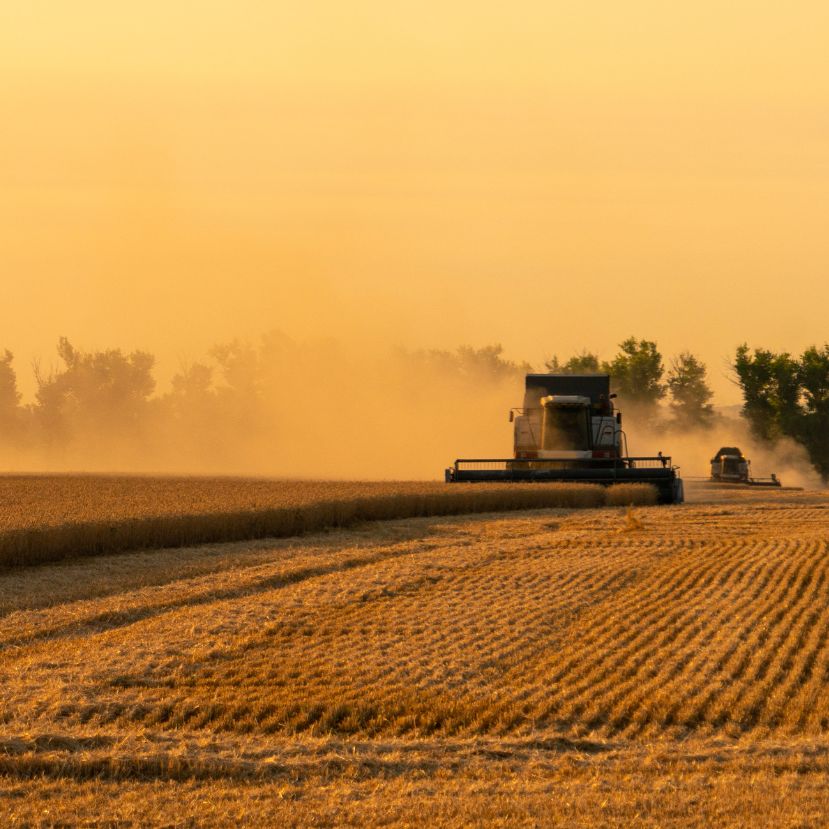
[
  {"x": 788, "y": 396},
  {"x": 639, "y": 378},
  {"x": 109, "y": 397},
  {"x": 235, "y": 408}
]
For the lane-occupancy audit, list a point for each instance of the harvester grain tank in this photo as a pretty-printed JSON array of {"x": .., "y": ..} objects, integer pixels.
[
  {"x": 568, "y": 429},
  {"x": 730, "y": 465}
]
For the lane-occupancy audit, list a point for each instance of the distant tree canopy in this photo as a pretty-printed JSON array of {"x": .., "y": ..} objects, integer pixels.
[
  {"x": 636, "y": 370},
  {"x": 10, "y": 412},
  {"x": 584, "y": 363},
  {"x": 690, "y": 393},
  {"x": 239, "y": 367},
  {"x": 487, "y": 363},
  {"x": 636, "y": 373},
  {"x": 101, "y": 407},
  {"x": 788, "y": 396},
  {"x": 94, "y": 391}
]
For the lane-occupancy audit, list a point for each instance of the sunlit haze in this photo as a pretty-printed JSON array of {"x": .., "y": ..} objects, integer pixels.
[{"x": 551, "y": 176}]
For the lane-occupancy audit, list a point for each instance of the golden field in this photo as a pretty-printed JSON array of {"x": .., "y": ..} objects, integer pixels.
[
  {"x": 49, "y": 517},
  {"x": 668, "y": 665}
]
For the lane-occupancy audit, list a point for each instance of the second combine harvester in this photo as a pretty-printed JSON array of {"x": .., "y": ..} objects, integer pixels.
[{"x": 569, "y": 430}]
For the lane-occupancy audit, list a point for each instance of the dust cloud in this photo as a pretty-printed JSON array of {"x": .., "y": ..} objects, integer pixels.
[
  {"x": 691, "y": 449},
  {"x": 318, "y": 409}
]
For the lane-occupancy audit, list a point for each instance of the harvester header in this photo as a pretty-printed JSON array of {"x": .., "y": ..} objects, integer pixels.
[{"x": 569, "y": 430}]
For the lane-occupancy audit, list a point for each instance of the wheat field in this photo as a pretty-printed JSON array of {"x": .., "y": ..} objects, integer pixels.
[
  {"x": 49, "y": 517},
  {"x": 655, "y": 666}
]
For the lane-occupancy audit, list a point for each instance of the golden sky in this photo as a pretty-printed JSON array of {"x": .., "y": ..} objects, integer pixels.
[{"x": 548, "y": 175}]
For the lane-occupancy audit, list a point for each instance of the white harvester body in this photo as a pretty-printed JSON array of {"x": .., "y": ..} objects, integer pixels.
[
  {"x": 568, "y": 430},
  {"x": 566, "y": 427}
]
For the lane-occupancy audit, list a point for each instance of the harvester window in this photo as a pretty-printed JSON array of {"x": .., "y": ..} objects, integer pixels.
[{"x": 566, "y": 428}]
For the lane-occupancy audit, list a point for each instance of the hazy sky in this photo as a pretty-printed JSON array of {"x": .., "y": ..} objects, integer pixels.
[{"x": 548, "y": 175}]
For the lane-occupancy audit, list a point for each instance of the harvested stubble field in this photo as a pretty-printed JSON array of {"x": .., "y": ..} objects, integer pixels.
[
  {"x": 49, "y": 517},
  {"x": 551, "y": 667}
]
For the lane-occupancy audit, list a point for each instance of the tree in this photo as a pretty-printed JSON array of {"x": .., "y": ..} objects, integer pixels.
[
  {"x": 193, "y": 384},
  {"x": 9, "y": 395},
  {"x": 813, "y": 376},
  {"x": 690, "y": 393},
  {"x": 469, "y": 364},
  {"x": 488, "y": 363},
  {"x": 636, "y": 372},
  {"x": 584, "y": 363},
  {"x": 240, "y": 368},
  {"x": 102, "y": 393},
  {"x": 788, "y": 396},
  {"x": 10, "y": 413},
  {"x": 771, "y": 391}
]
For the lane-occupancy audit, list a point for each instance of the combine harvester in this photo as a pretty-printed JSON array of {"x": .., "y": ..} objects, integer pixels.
[
  {"x": 568, "y": 430},
  {"x": 731, "y": 466}
]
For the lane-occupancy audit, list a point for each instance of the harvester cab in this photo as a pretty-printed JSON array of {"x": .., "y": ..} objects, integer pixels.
[
  {"x": 730, "y": 464},
  {"x": 567, "y": 426},
  {"x": 568, "y": 430}
]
